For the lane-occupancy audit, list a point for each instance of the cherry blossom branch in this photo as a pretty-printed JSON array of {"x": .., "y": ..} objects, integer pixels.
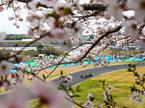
[
  {"x": 93, "y": 45},
  {"x": 98, "y": 40},
  {"x": 99, "y": 7},
  {"x": 74, "y": 102},
  {"x": 38, "y": 71},
  {"x": 62, "y": 60},
  {"x": 106, "y": 48},
  {"x": 141, "y": 28},
  {"x": 75, "y": 61}
]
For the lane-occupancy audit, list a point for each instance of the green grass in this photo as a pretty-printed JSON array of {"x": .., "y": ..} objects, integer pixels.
[{"x": 120, "y": 82}]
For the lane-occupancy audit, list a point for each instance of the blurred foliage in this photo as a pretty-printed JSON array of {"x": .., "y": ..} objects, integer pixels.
[{"x": 17, "y": 37}]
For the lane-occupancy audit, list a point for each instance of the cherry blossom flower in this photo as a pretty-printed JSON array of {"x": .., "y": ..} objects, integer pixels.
[
  {"x": 17, "y": 99},
  {"x": 6, "y": 2},
  {"x": 33, "y": 5},
  {"x": 68, "y": 78},
  {"x": 57, "y": 33},
  {"x": 143, "y": 31},
  {"x": 2, "y": 35},
  {"x": 48, "y": 3},
  {"x": 143, "y": 93},
  {"x": 140, "y": 43},
  {"x": 19, "y": 79},
  {"x": 129, "y": 28},
  {"x": 89, "y": 104},
  {"x": 90, "y": 97},
  {"x": 48, "y": 94},
  {"x": 129, "y": 14},
  {"x": 40, "y": 22},
  {"x": 136, "y": 97},
  {"x": 1, "y": 8},
  {"x": 5, "y": 67}
]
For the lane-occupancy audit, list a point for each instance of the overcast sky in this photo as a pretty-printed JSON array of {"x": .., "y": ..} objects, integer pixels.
[{"x": 8, "y": 27}]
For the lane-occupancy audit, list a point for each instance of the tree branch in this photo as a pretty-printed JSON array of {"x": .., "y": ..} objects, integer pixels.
[
  {"x": 93, "y": 45},
  {"x": 99, "y": 7}
]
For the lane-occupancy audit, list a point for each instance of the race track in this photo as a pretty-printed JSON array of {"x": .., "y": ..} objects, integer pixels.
[
  {"x": 95, "y": 72},
  {"x": 77, "y": 76}
]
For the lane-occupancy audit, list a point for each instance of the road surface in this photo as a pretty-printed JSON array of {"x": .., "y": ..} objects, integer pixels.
[
  {"x": 76, "y": 76},
  {"x": 95, "y": 72}
]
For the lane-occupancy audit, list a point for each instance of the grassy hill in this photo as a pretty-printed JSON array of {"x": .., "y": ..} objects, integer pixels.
[{"x": 120, "y": 82}]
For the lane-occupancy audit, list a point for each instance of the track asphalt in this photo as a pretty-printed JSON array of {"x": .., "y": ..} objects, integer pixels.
[{"x": 77, "y": 76}]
